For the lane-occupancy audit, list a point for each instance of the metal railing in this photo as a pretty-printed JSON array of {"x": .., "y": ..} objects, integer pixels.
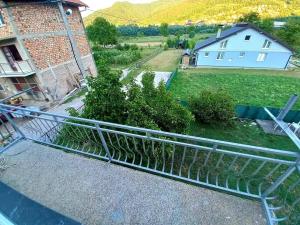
[
  {"x": 268, "y": 175},
  {"x": 21, "y": 68}
]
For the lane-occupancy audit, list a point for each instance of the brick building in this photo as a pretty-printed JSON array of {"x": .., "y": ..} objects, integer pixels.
[{"x": 35, "y": 49}]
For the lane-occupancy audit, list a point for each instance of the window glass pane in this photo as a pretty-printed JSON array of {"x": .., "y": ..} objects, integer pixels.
[
  {"x": 206, "y": 54},
  {"x": 247, "y": 37},
  {"x": 242, "y": 54}
]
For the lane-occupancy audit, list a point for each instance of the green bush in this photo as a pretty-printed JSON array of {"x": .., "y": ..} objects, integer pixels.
[{"x": 213, "y": 106}]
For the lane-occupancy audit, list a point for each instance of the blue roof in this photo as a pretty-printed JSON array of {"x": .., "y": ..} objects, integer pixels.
[
  {"x": 214, "y": 39},
  {"x": 233, "y": 30}
]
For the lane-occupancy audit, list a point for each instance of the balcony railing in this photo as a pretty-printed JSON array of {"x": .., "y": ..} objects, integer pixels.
[
  {"x": 270, "y": 176},
  {"x": 22, "y": 68}
]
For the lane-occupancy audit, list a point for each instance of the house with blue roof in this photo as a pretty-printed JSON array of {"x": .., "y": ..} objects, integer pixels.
[{"x": 243, "y": 46}]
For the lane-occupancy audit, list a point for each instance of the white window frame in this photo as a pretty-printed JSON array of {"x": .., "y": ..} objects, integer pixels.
[
  {"x": 206, "y": 54},
  {"x": 261, "y": 57},
  {"x": 220, "y": 55},
  {"x": 267, "y": 44},
  {"x": 246, "y": 37},
  {"x": 223, "y": 44},
  {"x": 242, "y": 54}
]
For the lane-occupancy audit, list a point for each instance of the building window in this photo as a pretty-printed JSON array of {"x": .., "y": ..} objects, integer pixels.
[
  {"x": 223, "y": 44},
  {"x": 220, "y": 55},
  {"x": 1, "y": 20},
  {"x": 261, "y": 57},
  {"x": 206, "y": 54},
  {"x": 23, "y": 83},
  {"x": 267, "y": 44},
  {"x": 247, "y": 37},
  {"x": 242, "y": 54}
]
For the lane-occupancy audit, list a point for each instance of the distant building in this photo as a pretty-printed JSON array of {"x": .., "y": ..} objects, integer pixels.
[
  {"x": 35, "y": 49},
  {"x": 243, "y": 45},
  {"x": 186, "y": 58},
  {"x": 279, "y": 24}
]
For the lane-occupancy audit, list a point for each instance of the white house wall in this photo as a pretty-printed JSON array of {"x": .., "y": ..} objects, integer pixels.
[{"x": 277, "y": 55}]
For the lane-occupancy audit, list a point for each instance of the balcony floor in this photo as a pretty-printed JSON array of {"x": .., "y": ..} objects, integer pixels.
[{"x": 95, "y": 192}]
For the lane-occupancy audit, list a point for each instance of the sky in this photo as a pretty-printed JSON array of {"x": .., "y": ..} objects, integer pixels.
[{"x": 101, "y": 4}]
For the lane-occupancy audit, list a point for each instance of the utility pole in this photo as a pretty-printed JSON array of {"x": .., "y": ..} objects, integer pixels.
[{"x": 73, "y": 43}]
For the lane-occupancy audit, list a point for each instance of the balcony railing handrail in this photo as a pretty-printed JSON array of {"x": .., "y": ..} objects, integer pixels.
[
  {"x": 271, "y": 176},
  {"x": 158, "y": 132},
  {"x": 20, "y": 70}
]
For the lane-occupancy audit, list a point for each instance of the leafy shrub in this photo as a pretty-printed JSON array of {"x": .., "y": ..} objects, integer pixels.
[{"x": 213, "y": 106}]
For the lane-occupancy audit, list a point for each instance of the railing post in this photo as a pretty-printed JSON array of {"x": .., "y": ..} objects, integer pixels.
[
  {"x": 13, "y": 124},
  {"x": 289, "y": 105},
  {"x": 279, "y": 181},
  {"x": 103, "y": 141}
]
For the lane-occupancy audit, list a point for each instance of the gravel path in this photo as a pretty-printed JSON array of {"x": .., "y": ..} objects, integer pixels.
[{"x": 95, "y": 192}]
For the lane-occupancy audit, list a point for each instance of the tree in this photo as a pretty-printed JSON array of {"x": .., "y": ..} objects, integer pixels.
[
  {"x": 169, "y": 115},
  {"x": 164, "y": 29},
  {"x": 101, "y": 32},
  {"x": 252, "y": 17},
  {"x": 266, "y": 25},
  {"x": 290, "y": 33},
  {"x": 105, "y": 101}
]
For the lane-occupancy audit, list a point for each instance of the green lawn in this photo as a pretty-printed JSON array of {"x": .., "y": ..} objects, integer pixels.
[
  {"x": 242, "y": 132},
  {"x": 248, "y": 87},
  {"x": 165, "y": 61}
]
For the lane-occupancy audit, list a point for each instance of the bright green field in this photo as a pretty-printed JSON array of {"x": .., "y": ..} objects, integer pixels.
[
  {"x": 248, "y": 87},
  {"x": 242, "y": 132}
]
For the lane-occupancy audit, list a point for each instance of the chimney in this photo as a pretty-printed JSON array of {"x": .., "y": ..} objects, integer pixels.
[{"x": 219, "y": 31}]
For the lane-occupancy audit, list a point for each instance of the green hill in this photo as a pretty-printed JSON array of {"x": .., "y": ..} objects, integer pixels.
[{"x": 208, "y": 11}]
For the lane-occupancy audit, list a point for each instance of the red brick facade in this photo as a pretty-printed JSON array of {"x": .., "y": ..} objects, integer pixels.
[{"x": 40, "y": 29}]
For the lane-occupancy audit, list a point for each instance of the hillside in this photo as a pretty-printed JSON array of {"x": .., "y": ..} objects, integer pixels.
[{"x": 179, "y": 11}]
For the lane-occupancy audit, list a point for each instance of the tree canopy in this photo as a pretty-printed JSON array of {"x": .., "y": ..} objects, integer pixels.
[
  {"x": 101, "y": 32},
  {"x": 164, "y": 29}
]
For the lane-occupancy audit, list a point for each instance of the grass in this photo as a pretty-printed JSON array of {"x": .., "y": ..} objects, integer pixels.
[
  {"x": 248, "y": 87},
  {"x": 243, "y": 132},
  {"x": 165, "y": 61}
]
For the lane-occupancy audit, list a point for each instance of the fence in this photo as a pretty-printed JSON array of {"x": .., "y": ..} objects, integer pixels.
[
  {"x": 267, "y": 175},
  {"x": 173, "y": 75}
]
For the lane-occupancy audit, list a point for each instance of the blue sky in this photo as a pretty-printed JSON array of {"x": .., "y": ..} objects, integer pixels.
[{"x": 101, "y": 4}]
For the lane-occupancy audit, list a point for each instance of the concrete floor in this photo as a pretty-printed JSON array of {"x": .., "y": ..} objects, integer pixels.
[{"x": 95, "y": 192}]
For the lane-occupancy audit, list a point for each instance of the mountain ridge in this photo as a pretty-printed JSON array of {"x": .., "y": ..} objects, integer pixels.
[{"x": 204, "y": 11}]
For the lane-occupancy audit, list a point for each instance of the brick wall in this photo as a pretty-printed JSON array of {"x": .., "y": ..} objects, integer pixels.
[
  {"x": 42, "y": 32},
  {"x": 5, "y": 30}
]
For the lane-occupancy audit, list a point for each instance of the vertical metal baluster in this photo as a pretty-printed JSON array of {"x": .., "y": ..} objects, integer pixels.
[
  {"x": 244, "y": 167},
  {"x": 136, "y": 149},
  {"x": 279, "y": 181},
  {"x": 146, "y": 153},
  {"x": 232, "y": 163},
  {"x": 220, "y": 160},
  {"x": 13, "y": 124},
  {"x": 164, "y": 158},
  {"x": 96, "y": 144},
  {"x": 258, "y": 169},
  {"x": 155, "y": 157},
  {"x": 193, "y": 162},
  {"x": 118, "y": 141},
  {"x": 129, "y": 149},
  {"x": 103, "y": 141},
  {"x": 273, "y": 170},
  {"x": 182, "y": 161},
  {"x": 173, "y": 155}
]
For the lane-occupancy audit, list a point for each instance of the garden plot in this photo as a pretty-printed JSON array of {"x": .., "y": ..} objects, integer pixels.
[{"x": 159, "y": 76}]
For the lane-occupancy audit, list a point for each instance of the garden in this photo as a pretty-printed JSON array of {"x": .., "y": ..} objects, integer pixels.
[{"x": 247, "y": 87}]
